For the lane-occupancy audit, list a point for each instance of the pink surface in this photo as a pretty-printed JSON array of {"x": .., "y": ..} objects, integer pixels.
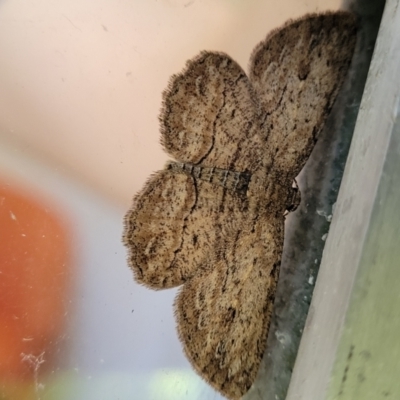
[{"x": 81, "y": 80}]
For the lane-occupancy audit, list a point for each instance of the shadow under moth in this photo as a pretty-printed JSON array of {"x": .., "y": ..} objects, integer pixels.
[{"x": 212, "y": 221}]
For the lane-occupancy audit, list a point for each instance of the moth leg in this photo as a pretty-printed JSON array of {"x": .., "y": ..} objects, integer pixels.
[{"x": 295, "y": 199}]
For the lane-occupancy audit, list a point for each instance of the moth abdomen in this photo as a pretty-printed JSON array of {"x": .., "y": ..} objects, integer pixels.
[{"x": 232, "y": 180}]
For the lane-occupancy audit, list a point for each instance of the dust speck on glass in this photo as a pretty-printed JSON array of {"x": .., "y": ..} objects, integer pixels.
[{"x": 213, "y": 220}]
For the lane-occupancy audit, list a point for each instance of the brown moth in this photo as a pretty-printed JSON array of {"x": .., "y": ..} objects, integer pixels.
[{"x": 213, "y": 219}]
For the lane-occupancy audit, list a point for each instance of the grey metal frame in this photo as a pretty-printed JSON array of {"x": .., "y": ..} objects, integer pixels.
[{"x": 350, "y": 347}]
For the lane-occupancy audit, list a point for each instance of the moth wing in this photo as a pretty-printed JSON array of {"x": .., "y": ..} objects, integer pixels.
[
  {"x": 154, "y": 227},
  {"x": 209, "y": 110},
  {"x": 223, "y": 314},
  {"x": 297, "y": 72},
  {"x": 173, "y": 225}
]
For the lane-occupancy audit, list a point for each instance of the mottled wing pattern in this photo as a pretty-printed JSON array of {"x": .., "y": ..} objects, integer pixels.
[
  {"x": 174, "y": 226},
  {"x": 154, "y": 226},
  {"x": 224, "y": 313},
  {"x": 297, "y": 72},
  {"x": 209, "y": 113},
  {"x": 223, "y": 245}
]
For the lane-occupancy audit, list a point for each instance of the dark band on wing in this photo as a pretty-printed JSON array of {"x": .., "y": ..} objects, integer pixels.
[{"x": 231, "y": 180}]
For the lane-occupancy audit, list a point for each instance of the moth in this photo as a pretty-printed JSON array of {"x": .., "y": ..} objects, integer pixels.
[{"x": 212, "y": 221}]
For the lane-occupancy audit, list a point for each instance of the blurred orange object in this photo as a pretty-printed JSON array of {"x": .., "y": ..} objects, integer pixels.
[{"x": 34, "y": 282}]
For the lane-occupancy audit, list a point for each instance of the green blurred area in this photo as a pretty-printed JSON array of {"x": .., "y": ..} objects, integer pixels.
[{"x": 368, "y": 359}]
